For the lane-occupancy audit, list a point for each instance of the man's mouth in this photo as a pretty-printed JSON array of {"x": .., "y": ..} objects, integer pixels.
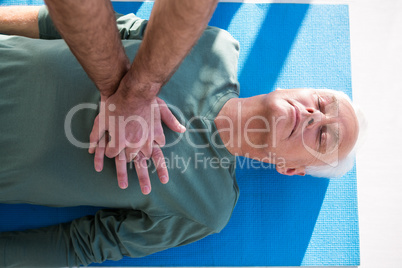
[{"x": 296, "y": 117}]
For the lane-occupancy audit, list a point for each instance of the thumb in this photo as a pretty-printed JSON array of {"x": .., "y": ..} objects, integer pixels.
[{"x": 168, "y": 118}]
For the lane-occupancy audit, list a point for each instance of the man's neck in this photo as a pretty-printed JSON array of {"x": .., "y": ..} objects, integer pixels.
[
  {"x": 227, "y": 124},
  {"x": 231, "y": 121}
]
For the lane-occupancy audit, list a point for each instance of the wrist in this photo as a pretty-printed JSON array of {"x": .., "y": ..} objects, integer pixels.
[
  {"x": 111, "y": 83},
  {"x": 134, "y": 88}
]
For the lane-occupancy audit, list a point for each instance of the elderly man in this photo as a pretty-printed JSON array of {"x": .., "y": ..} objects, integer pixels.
[{"x": 46, "y": 121}]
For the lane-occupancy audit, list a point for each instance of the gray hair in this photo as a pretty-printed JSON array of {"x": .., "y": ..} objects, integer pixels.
[{"x": 344, "y": 165}]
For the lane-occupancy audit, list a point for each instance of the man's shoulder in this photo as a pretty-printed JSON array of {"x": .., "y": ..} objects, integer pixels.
[
  {"x": 219, "y": 194},
  {"x": 220, "y": 37}
]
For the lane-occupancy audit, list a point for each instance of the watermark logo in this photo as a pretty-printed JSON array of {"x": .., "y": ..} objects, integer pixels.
[
  {"x": 239, "y": 131},
  {"x": 327, "y": 147}
]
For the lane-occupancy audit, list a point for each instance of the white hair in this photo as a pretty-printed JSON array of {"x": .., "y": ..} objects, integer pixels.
[{"x": 344, "y": 165}]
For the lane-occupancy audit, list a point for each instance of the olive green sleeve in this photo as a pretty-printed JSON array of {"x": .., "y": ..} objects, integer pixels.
[
  {"x": 47, "y": 30},
  {"x": 109, "y": 235},
  {"x": 129, "y": 26}
]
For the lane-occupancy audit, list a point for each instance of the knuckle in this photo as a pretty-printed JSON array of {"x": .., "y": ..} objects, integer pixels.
[
  {"x": 142, "y": 180},
  {"x": 110, "y": 153},
  {"x": 93, "y": 136},
  {"x": 134, "y": 140},
  {"x": 170, "y": 116},
  {"x": 121, "y": 175},
  {"x": 131, "y": 156},
  {"x": 157, "y": 153},
  {"x": 147, "y": 154},
  {"x": 160, "y": 140},
  {"x": 128, "y": 158},
  {"x": 160, "y": 102},
  {"x": 141, "y": 156}
]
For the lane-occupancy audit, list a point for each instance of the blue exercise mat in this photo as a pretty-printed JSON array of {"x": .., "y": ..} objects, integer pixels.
[{"x": 279, "y": 220}]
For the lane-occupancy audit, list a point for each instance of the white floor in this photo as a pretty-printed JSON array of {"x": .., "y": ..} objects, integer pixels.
[{"x": 376, "y": 40}]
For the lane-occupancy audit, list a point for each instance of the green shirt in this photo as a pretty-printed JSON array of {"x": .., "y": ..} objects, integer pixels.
[{"x": 42, "y": 84}]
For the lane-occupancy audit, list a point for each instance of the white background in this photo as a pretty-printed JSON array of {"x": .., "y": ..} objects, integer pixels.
[{"x": 376, "y": 42}]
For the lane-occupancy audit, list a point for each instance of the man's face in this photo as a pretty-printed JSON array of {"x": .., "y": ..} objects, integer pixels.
[{"x": 310, "y": 127}]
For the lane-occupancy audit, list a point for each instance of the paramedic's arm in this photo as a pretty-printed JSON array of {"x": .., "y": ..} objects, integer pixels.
[
  {"x": 89, "y": 28},
  {"x": 174, "y": 27},
  {"x": 109, "y": 235},
  {"x": 17, "y": 20}
]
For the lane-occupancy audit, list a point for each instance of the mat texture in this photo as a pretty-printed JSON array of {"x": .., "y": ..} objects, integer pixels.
[{"x": 279, "y": 220}]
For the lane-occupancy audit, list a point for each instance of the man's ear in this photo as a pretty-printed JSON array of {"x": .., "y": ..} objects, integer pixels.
[{"x": 301, "y": 171}]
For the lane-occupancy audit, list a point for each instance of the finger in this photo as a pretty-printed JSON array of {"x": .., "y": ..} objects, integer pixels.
[
  {"x": 131, "y": 153},
  {"x": 160, "y": 164},
  {"x": 116, "y": 143},
  {"x": 100, "y": 153},
  {"x": 146, "y": 150},
  {"x": 121, "y": 169},
  {"x": 168, "y": 118},
  {"x": 104, "y": 98},
  {"x": 159, "y": 136},
  {"x": 141, "y": 168},
  {"x": 98, "y": 131}
]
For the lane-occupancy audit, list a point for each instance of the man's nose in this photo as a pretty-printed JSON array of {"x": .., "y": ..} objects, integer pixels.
[{"x": 313, "y": 117}]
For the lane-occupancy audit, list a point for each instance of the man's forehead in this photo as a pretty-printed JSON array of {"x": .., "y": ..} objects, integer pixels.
[
  {"x": 344, "y": 131},
  {"x": 349, "y": 127}
]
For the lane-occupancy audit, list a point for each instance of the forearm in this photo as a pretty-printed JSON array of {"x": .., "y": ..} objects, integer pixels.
[
  {"x": 17, "y": 20},
  {"x": 89, "y": 28},
  {"x": 46, "y": 247},
  {"x": 109, "y": 235},
  {"x": 174, "y": 27}
]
